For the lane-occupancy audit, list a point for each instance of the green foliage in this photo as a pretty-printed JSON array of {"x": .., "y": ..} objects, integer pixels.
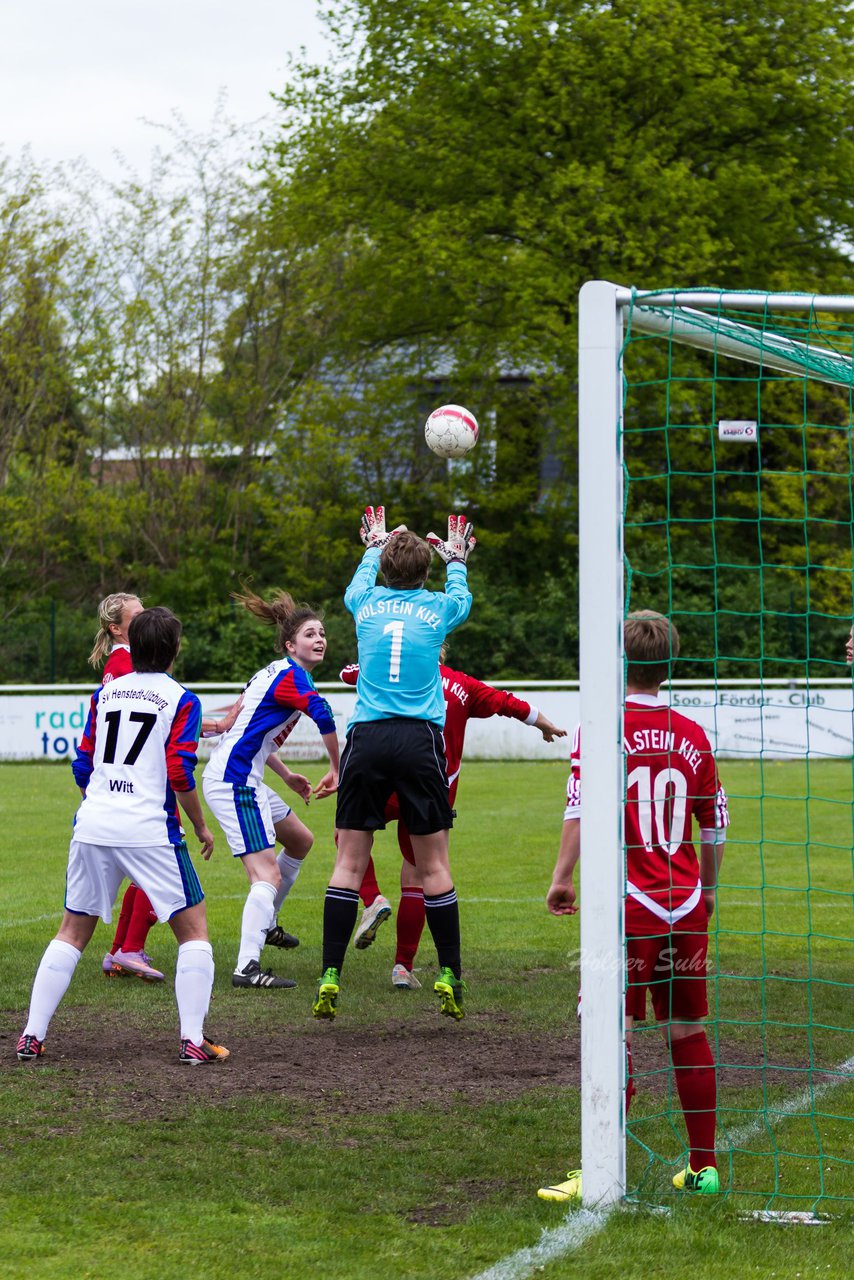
[{"x": 206, "y": 375}]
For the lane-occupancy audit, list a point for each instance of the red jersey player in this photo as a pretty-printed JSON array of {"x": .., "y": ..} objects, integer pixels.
[
  {"x": 465, "y": 699},
  {"x": 671, "y": 778}
]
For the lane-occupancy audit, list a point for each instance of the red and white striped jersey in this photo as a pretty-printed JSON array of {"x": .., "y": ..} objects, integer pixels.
[
  {"x": 671, "y": 780},
  {"x": 118, "y": 663}
]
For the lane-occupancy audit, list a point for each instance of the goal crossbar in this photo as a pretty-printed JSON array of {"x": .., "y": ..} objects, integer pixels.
[{"x": 743, "y": 342}]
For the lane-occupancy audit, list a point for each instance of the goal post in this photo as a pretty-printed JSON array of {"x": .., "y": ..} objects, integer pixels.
[
  {"x": 759, "y": 349},
  {"x": 602, "y": 883}
]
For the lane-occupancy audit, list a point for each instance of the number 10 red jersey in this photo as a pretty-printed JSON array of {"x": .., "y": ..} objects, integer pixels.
[{"x": 671, "y": 781}]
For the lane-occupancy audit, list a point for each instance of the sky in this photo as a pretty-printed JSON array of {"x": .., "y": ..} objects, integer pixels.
[{"x": 76, "y": 80}]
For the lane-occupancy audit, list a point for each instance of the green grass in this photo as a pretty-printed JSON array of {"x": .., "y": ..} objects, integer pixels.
[{"x": 140, "y": 1172}]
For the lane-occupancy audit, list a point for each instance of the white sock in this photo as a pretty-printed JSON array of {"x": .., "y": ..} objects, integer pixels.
[
  {"x": 258, "y": 916},
  {"x": 51, "y": 983},
  {"x": 194, "y": 976},
  {"x": 289, "y": 869}
]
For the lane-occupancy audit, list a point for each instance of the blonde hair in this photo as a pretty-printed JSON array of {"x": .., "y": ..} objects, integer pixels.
[
  {"x": 652, "y": 644},
  {"x": 280, "y": 611},
  {"x": 110, "y": 612}
]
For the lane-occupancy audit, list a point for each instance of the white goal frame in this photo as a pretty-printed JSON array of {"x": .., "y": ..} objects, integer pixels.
[{"x": 602, "y": 311}]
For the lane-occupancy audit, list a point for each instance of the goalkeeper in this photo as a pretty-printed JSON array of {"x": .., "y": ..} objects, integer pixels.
[{"x": 394, "y": 739}]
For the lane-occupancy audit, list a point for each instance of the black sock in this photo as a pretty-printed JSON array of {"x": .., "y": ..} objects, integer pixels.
[
  {"x": 443, "y": 918},
  {"x": 340, "y": 908}
]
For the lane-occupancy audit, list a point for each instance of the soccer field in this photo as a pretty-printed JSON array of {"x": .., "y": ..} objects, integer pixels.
[{"x": 393, "y": 1143}]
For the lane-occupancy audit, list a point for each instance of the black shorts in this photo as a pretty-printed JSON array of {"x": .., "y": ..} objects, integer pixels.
[{"x": 401, "y": 756}]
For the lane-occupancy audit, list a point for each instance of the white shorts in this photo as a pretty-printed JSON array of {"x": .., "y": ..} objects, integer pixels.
[
  {"x": 278, "y": 809},
  {"x": 246, "y": 814},
  {"x": 164, "y": 872}
]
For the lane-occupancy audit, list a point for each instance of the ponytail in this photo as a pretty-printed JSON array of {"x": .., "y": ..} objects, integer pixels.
[
  {"x": 110, "y": 612},
  {"x": 280, "y": 611}
]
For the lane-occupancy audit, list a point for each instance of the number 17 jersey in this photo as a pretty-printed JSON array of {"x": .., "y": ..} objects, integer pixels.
[{"x": 138, "y": 749}]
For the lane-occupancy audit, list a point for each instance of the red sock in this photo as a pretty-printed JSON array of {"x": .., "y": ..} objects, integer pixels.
[
  {"x": 369, "y": 889},
  {"x": 695, "y": 1080},
  {"x": 125, "y": 913},
  {"x": 141, "y": 920},
  {"x": 630, "y": 1083},
  {"x": 410, "y": 925}
]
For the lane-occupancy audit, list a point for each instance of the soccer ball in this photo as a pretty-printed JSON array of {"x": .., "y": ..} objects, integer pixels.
[{"x": 451, "y": 431}]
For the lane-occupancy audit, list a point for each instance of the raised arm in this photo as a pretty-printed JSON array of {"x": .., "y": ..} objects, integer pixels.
[
  {"x": 374, "y": 535},
  {"x": 485, "y": 700},
  {"x": 455, "y": 552}
]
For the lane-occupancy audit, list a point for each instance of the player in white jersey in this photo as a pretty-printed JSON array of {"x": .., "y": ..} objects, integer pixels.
[
  {"x": 234, "y": 785},
  {"x": 136, "y": 759}
]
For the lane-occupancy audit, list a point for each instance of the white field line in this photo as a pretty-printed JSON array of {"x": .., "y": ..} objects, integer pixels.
[
  {"x": 310, "y": 897},
  {"x": 579, "y": 1227},
  {"x": 799, "y": 1104}
]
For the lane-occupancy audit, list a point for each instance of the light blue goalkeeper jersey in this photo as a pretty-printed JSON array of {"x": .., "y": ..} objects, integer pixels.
[{"x": 400, "y": 634}]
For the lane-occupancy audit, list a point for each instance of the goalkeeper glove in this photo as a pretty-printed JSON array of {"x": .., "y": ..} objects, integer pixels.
[
  {"x": 373, "y": 530},
  {"x": 460, "y": 541}
]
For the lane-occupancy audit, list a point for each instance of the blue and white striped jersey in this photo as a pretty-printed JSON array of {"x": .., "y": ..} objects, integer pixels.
[{"x": 273, "y": 701}]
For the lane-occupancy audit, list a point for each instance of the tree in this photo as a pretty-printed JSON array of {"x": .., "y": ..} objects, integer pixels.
[{"x": 457, "y": 181}]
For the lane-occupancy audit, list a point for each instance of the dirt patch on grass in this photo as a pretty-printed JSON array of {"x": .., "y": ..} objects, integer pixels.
[
  {"x": 337, "y": 1068},
  {"x": 334, "y": 1067}
]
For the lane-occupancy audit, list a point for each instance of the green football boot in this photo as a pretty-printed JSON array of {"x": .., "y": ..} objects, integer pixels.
[
  {"x": 327, "y": 995},
  {"x": 450, "y": 990},
  {"x": 563, "y": 1192},
  {"x": 705, "y": 1182}
]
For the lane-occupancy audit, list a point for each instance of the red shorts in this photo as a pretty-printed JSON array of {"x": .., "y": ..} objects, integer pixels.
[{"x": 672, "y": 967}]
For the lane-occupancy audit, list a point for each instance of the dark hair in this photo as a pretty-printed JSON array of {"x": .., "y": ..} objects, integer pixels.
[
  {"x": 652, "y": 646},
  {"x": 280, "y": 612},
  {"x": 155, "y": 638},
  {"x": 405, "y": 561}
]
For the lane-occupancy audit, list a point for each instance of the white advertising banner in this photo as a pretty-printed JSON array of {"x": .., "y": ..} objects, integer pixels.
[
  {"x": 776, "y": 724},
  {"x": 772, "y": 723}
]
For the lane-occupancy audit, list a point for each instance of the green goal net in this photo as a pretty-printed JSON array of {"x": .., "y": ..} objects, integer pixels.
[
  {"x": 735, "y": 421},
  {"x": 739, "y": 525}
]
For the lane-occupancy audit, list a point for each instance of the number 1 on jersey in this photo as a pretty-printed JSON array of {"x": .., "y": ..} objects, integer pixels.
[{"x": 396, "y": 629}]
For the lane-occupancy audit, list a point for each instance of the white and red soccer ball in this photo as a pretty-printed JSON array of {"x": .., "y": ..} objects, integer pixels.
[{"x": 451, "y": 431}]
